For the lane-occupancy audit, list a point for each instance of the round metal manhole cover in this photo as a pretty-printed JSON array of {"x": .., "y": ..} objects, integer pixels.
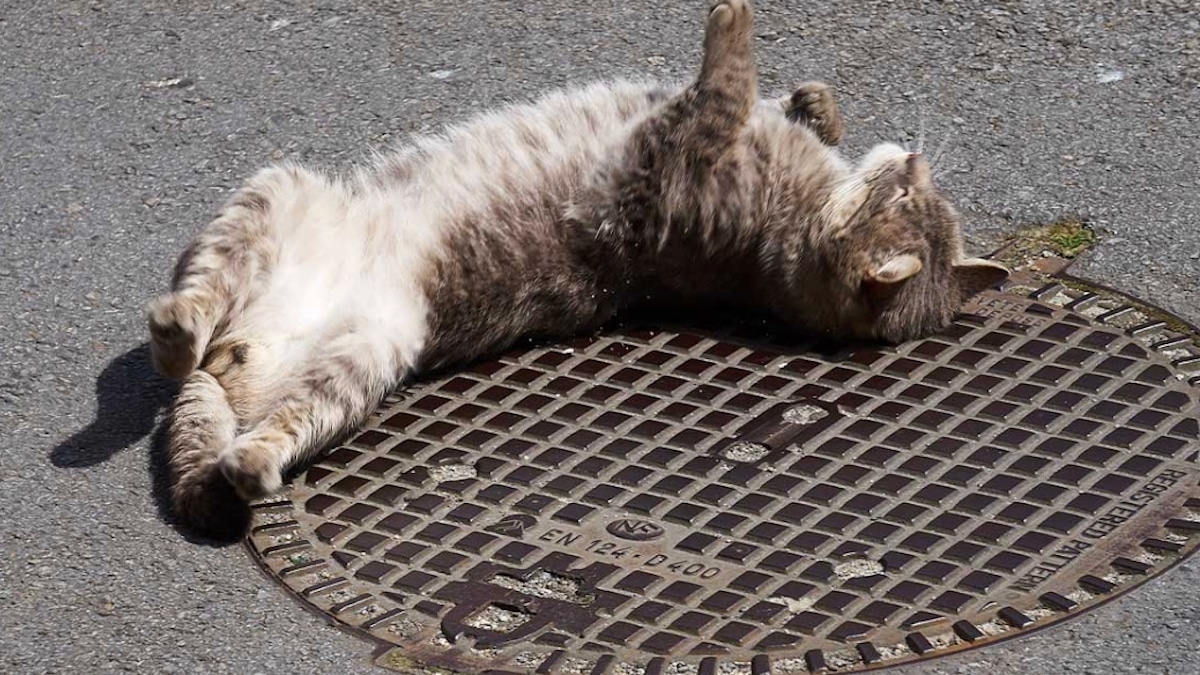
[{"x": 659, "y": 501}]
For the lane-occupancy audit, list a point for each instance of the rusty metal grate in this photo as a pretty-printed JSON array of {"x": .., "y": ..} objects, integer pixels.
[{"x": 659, "y": 501}]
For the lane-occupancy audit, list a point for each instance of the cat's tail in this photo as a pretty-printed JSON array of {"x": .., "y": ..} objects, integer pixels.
[{"x": 201, "y": 425}]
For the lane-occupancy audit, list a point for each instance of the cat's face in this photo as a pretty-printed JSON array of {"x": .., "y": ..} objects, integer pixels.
[{"x": 898, "y": 256}]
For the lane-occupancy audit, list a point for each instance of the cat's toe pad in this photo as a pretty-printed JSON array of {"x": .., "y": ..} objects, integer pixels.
[
  {"x": 730, "y": 14},
  {"x": 250, "y": 465}
]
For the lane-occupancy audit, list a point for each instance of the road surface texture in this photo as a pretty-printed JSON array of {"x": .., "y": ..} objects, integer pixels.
[{"x": 123, "y": 125}]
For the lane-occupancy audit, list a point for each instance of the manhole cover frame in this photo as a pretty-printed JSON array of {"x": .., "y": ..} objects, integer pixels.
[{"x": 272, "y": 526}]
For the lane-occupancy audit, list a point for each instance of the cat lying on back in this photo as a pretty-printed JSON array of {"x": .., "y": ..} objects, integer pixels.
[{"x": 310, "y": 297}]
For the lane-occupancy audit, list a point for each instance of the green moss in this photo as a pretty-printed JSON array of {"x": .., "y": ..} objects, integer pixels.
[
  {"x": 1070, "y": 237},
  {"x": 396, "y": 660},
  {"x": 1067, "y": 237}
]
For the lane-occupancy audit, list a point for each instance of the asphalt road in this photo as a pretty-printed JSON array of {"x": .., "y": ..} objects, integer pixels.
[{"x": 124, "y": 124}]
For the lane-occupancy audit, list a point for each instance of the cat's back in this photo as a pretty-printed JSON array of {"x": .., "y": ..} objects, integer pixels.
[{"x": 533, "y": 151}]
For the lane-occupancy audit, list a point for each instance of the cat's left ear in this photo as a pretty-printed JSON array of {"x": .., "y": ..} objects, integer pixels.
[
  {"x": 883, "y": 281},
  {"x": 976, "y": 275}
]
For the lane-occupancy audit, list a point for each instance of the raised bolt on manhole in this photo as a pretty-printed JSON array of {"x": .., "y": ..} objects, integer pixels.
[
  {"x": 745, "y": 451},
  {"x": 804, "y": 414}
]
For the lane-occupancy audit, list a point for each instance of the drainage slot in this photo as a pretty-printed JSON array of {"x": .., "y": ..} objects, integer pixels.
[
  {"x": 543, "y": 584},
  {"x": 500, "y": 618}
]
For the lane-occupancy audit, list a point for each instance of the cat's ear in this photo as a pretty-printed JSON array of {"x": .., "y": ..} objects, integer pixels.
[
  {"x": 913, "y": 174},
  {"x": 883, "y": 281},
  {"x": 976, "y": 275},
  {"x": 897, "y": 269}
]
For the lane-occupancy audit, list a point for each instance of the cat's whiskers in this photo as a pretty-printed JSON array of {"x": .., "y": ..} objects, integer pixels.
[
  {"x": 937, "y": 155},
  {"x": 898, "y": 132}
]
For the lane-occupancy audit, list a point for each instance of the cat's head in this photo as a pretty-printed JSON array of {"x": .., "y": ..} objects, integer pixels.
[{"x": 895, "y": 246}]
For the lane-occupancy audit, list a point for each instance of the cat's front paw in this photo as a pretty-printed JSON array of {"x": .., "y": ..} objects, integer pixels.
[
  {"x": 174, "y": 336},
  {"x": 813, "y": 104},
  {"x": 252, "y": 466}
]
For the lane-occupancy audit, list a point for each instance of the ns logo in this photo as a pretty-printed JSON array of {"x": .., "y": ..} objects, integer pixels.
[{"x": 635, "y": 530}]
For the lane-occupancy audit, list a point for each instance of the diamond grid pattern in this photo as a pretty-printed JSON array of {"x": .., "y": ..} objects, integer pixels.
[{"x": 958, "y": 463}]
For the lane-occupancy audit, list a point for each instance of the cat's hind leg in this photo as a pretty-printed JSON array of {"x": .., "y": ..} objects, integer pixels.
[
  {"x": 686, "y": 161},
  {"x": 215, "y": 276},
  {"x": 711, "y": 114},
  {"x": 200, "y": 427},
  {"x": 687, "y": 170},
  {"x": 813, "y": 105},
  {"x": 347, "y": 377}
]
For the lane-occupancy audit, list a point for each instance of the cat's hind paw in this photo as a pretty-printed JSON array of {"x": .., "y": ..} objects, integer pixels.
[
  {"x": 728, "y": 55},
  {"x": 730, "y": 16},
  {"x": 174, "y": 334},
  {"x": 813, "y": 105},
  {"x": 204, "y": 504},
  {"x": 252, "y": 466}
]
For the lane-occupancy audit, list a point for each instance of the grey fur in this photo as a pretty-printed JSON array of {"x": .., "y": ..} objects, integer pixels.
[{"x": 309, "y": 297}]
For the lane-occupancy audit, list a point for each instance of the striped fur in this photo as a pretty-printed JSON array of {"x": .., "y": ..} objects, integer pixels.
[{"x": 310, "y": 295}]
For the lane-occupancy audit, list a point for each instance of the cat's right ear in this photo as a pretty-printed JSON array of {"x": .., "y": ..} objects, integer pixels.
[
  {"x": 976, "y": 275},
  {"x": 913, "y": 174}
]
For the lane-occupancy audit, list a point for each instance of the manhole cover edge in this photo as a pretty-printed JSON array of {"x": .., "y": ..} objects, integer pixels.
[{"x": 1188, "y": 549}]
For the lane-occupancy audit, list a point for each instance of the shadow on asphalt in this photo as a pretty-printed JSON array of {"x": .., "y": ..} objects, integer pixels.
[{"x": 130, "y": 395}]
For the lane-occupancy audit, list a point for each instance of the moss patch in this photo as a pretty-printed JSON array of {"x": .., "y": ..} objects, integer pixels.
[
  {"x": 1065, "y": 238},
  {"x": 396, "y": 660},
  {"x": 1068, "y": 238}
]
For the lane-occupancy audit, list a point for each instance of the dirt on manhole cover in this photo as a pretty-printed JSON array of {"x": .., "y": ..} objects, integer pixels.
[{"x": 659, "y": 501}]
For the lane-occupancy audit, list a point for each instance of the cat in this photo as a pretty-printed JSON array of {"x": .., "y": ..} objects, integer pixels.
[{"x": 310, "y": 296}]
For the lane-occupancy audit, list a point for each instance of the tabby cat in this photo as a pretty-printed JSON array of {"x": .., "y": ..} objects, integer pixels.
[{"x": 311, "y": 296}]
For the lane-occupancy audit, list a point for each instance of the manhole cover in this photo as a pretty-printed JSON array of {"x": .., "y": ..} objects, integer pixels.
[{"x": 658, "y": 501}]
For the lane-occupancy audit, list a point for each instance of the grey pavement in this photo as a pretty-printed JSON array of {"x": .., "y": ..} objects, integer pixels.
[{"x": 124, "y": 124}]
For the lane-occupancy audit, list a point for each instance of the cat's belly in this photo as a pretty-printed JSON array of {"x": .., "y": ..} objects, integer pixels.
[
  {"x": 478, "y": 215},
  {"x": 343, "y": 265}
]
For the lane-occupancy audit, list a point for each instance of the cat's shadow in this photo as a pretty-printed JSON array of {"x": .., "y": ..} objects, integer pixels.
[{"x": 129, "y": 397}]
